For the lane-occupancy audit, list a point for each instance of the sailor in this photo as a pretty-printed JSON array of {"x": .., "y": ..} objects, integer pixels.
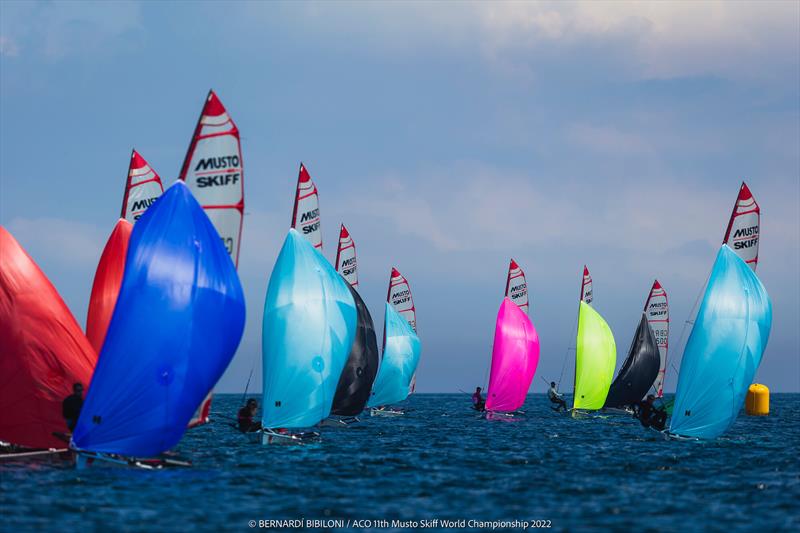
[
  {"x": 649, "y": 415},
  {"x": 71, "y": 406},
  {"x": 477, "y": 400},
  {"x": 246, "y": 415},
  {"x": 555, "y": 397}
]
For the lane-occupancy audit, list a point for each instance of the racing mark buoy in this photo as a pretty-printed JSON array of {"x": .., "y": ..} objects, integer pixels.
[{"x": 757, "y": 402}]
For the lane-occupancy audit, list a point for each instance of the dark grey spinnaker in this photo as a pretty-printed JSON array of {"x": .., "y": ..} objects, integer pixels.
[
  {"x": 355, "y": 383},
  {"x": 639, "y": 370}
]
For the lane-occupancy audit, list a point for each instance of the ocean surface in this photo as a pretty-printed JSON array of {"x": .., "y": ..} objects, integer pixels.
[{"x": 440, "y": 460}]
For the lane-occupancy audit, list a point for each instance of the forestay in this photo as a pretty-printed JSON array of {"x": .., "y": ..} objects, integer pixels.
[
  {"x": 743, "y": 229},
  {"x": 310, "y": 321},
  {"x": 305, "y": 216},
  {"x": 176, "y": 326},
  {"x": 346, "y": 263},
  {"x": 213, "y": 170},
  {"x": 516, "y": 286},
  {"x": 142, "y": 188},
  {"x": 724, "y": 349}
]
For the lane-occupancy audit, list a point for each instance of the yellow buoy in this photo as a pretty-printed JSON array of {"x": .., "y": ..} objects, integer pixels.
[{"x": 757, "y": 402}]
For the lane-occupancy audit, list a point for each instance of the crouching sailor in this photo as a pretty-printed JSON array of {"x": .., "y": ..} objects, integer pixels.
[
  {"x": 246, "y": 415},
  {"x": 556, "y": 398},
  {"x": 649, "y": 415},
  {"x": 71, "y": 406}
]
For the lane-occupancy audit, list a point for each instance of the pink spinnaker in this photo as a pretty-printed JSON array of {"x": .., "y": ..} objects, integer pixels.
[{"x": 515, "y": 356}]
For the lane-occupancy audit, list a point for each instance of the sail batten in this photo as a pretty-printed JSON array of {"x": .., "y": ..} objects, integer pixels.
[{"x": 516, "y": 286}]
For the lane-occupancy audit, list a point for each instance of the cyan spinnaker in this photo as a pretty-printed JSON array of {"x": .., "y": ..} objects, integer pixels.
[
  {"x": 515, "y": 356},
  {"x": 176, "y": 325},
  {"x": 595, "y": 359},
  {"x": 724, "y": 349},
  {"x": 401, "y": 351},
  {"x": 359, "y": 373},
  {"x": 309, "y": 325},
  {"x": 639, "y": 371}
]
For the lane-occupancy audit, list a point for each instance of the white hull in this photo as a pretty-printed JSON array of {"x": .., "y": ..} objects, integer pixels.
[
  {"x": 84, "y": 459},
  {"x": 269, "y": 436},
  {"x": 386, "y": 412}
]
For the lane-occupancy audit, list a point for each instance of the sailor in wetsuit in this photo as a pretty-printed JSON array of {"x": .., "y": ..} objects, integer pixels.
[
  {"x": 71, "y": 406},
  {"x": 555, "y": 397},
  {"x": 477, "y": 400},
  {"x": 246, "y": 415},
  {"x": 649, "y": 415}
]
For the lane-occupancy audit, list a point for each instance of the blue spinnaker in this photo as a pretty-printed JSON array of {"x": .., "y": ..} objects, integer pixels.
[
  {"x": 309, "y": 325},
  {"x": 177, "y": 323},
  {"x": 401, "y": 352},
  {"x": 723, "y": 351}
]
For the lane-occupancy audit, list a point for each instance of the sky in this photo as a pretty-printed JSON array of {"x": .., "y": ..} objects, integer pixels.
[{"x": 448, "y": 137}]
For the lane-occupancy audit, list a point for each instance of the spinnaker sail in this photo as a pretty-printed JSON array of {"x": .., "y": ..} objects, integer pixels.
[
  {"x": 639, "y": 370},
  {"x": 213, "y": 170},
  {"x": 43, "y": 351},
  {"x": 516, "y": 286},
  {"x": 399, "y": 296},
  {"x": 595, "y": 359},
  {"x": 107, "y": 281},
  {"x": 586, "y": 286},
  {"x": 305, "y": 216},
  {"x": 355, "y": 383},
  {"x": 346, "y": 264},
  {"x": 180, "y": 287},
  {"x": 724, "y": 349},
  {"x": 142, "y": 188},
  {"x": 310, "y": 321},
  {"x": 657, "y": 310},
  {"x": 744, "y": 227},
  {"x": 401, "y": 351},
  {"x": 515, "y": 356}
]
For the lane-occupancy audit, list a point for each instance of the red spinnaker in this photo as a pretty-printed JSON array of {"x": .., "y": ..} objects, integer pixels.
[
  {"x": 107, "y": 281},
  {"x": 43, "y": 351}
]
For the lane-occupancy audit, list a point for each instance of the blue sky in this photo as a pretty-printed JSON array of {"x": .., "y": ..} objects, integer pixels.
[{"x": 448, "y": 137}]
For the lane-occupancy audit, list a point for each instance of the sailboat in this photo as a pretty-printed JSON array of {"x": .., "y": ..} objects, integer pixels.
[
  {"x": 181, "y": 288},
  {"x": 639, "y": 371},
  {"x": 515, "y": 356},
  {"x": 743, "y": 233},
  {"x": 346, "y": 263},
  {"x": 595, "y": 359},
  {"x": 516, "y": 286},
  {"x": 305, "y": 215},
  {"x": 401, "y": 351},
  {"x": 355, "y": 383},
  {"x": 656, "y": 307},
  {"x": 142, "y": 188},
  {"x": 310, "y": 322},
  {"x": 213, "y": 171},
  {"x": 724, "y": 349},
  {"x": 43, "y": 352}
]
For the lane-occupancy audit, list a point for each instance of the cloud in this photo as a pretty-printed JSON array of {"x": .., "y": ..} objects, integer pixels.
[{"x": 69, "y": 244}]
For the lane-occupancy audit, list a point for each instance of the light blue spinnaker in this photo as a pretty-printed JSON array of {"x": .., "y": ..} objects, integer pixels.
[
  {"x": 723, "y": 351},
  {"x": 401, "y": 352},
  {"x": 309, "y": 324},
  {"x": 176, "y": 325}
]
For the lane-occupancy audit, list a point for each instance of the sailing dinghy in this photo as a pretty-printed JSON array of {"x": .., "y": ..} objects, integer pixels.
[
  {"x": 724, "y": 349},
  {"x": 310, "y": 322},
  {"x": 181, "y": 287},
  {"x": 401, "y": 351},
  {"x": 516, "y": 286},
  {"x": 595, "y": 359},
  {"x": 43, "y": 352},
  {"x": 213, "y": 171},
  {"x": 305, "y": 215},
  {"x": 346, "y": 263},
  {"x": 515, "y": 356}
]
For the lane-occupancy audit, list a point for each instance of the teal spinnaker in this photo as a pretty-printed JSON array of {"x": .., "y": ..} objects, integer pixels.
[
  {"x": 723, "y": 351},
  {"x": 401, "y": 353}
]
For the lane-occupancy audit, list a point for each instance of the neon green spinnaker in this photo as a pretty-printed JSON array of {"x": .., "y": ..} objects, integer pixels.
[{"x": 595, "y": 359}]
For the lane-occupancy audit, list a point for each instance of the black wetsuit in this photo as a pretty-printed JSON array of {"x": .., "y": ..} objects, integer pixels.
[
  {"x": 649, "y": 415},
  {"x": 71, "y": 409},
  {"x": 245, "y": 420},
  {"x": 477, "y": 402}
]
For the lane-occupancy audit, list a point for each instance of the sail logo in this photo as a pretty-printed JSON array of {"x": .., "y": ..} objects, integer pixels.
[
  {"x": 746, "y": 232},
  {"x": 218, "y": 180},
  {"x": 349, "y": 262},
  {"x": 217, "y": 163},
  {"x": 518, "y": 288},
  {"x": 310, "y": 215},
  {"x": 140, "y": 205},
  {"x": 348, "y": 271}
]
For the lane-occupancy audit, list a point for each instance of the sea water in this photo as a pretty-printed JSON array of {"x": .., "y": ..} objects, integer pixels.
[{"x": 439, "y": 465}]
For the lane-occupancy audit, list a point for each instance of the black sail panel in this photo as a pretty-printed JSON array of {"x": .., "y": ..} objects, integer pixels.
[
  {"x": 639, "y": 370},
  {"x": 355, "y": 383}
]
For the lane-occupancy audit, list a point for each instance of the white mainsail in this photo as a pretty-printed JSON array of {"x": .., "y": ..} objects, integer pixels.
[
  {"x": 516, "y": 286},
  {"x": 142, "y": 188},
  {"x": 305, "y": 217},
  {"x": 346, "y": 263},
  {"x": 657, "y": 309},
  {"x": 743, "y": 228}
]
